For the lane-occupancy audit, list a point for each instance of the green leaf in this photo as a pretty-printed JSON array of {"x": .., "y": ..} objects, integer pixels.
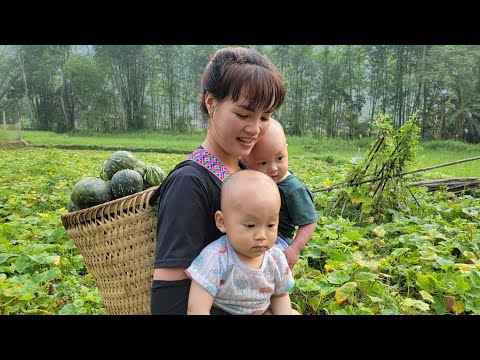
[
  {"x": 50, "y": 274},
  {"x": 470, "y": 255},
  {"x": 69, "y": 244},
  {"x": 398, "y": 252},
  {"x": 356, "y": 200},
  {"x": 366, "y": 276},
  {"x": 379, "y": 231},
  {"x": 375, "y": 299},
  {"x": 68, "y": 309},
  {"x": 472, "y": 211},
  {"x": 474, "y": 276},
  {"x": 426, "y": 282},
  {"x": 4, "y": 257},
  {"x": 33, "y": 220},
  {"x": 437, "y": 235},
  {"x": 416, "y": 304},
  {"x": 314, "y": 253},
  {"x": 314, "y": 302},
  {"x": 474, "y": 293},
  {"x": 444, "y": 262},
  {"x": 22, "y": 262},
  {"x": 366, "y": 209},
  {"x": 344, "y": 291},
  {"x": 372, "y": 265},
  {"x": 79, "y": 303},
  {"x": 21, "y": 291},
  {"x": 473, "y": 305},
  {"x": 304, "y": 284},
  {"x": 458, "y": 307},
  {"x": 353, "y": 235},
  {"x": 428, "y": 255},
  {"x": 443, "y": 208},
  {"x": 426, "y": 296},
  {"x": 329, "y": 234},
  {"x": 338, "y": 277}
]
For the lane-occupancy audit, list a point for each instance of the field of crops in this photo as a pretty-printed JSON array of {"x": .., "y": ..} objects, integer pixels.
[{"x": 420, "y": 259}]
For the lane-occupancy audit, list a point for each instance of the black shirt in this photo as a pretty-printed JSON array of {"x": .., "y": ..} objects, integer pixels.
[{"x": 189, "y": 198}]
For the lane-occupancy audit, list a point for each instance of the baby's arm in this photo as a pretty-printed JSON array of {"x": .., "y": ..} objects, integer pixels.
[
  {"x": 280, "y": 304},
  {"x": 304, "y": 233},
  {"x": 199, "y": 300}
]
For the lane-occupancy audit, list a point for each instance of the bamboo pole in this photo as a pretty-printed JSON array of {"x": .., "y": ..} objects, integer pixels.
[{"x": 401, "y": 174}]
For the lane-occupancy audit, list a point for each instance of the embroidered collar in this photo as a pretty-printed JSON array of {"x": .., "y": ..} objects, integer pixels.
[{"x": 210, "y": 162}]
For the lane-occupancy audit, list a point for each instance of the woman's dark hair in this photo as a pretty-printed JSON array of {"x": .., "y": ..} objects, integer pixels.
[{"x": 235, "y": 69}]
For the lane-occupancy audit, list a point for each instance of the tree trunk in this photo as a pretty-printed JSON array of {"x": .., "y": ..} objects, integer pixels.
[
  {"x": 22, "y": 67},
  {"x": 441, "y": 126},
  {"x": 459, "y": 126}
]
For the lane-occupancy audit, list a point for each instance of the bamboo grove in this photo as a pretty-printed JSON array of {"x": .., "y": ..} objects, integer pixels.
[{"x": 332, "y": 91}]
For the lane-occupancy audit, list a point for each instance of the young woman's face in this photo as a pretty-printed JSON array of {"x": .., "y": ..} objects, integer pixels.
[{"x": 235, "y": 127}]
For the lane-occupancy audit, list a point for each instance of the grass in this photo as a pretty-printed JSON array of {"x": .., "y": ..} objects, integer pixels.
[
  {"x": 131, "y": 140},
  {"x": 330, "y": 150},
  {"x": 441, "y": 152}
]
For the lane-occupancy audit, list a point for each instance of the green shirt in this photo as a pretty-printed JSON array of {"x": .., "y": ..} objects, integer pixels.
[{"x": 297, "y": 207}]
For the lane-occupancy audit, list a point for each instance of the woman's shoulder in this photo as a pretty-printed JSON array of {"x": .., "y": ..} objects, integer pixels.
[
  {"x": 198, "y": 173},
  {"x": 189, "y": 168}
]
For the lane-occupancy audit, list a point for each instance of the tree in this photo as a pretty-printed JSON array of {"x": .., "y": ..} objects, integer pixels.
[
  {"x": 90, "y": 91},
  {"x": 130, "y": 73},
  {"x": 454, "y": 69},
  {"x": 41, "y": 68}
]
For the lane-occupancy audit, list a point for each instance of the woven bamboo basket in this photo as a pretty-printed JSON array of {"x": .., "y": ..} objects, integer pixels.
[{"x": 117, "y": 241}]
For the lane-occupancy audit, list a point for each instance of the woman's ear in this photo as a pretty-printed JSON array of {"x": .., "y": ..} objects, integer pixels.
[
  {"x": 220, "y": 221},
  {"x": 209, "y": 101}
]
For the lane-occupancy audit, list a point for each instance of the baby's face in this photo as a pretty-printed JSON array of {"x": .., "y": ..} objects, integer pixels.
[
  {"x": 252, "y": 224},
  {"x": 271, "y": 158}
]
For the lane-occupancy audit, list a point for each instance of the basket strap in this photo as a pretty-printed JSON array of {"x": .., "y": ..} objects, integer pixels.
[
  {"x": 210, "y": 162},
  {"x": 160, "y": 189},
  {"x": 201, "y": 159}
]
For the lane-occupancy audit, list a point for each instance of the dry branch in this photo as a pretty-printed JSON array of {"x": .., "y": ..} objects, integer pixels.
[
  {"x": 454, "y": 185},
  {"x": 401, "y": 174}
]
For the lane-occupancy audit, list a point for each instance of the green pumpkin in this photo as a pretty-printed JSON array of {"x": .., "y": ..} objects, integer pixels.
[
  {"x": 154, "y": 175},
  {"x": 90, "y": 191},
  {"x": 120, "y": 160},
  {"x": 126, "y": 182}
]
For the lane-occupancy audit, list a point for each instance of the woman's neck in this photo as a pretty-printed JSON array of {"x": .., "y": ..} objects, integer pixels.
[{"x": 228, "y": 160}]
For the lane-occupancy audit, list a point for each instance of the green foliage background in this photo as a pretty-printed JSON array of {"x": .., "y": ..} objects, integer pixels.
[{"x": 422, "y": 261}]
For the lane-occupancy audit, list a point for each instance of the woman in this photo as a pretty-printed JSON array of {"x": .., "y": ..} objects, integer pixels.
[{"x": 240, "y": 89}]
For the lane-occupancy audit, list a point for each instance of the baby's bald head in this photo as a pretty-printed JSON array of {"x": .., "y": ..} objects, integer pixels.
[
  {"x": 274, "y": 137},
  {"x": 248, "y": 186}
]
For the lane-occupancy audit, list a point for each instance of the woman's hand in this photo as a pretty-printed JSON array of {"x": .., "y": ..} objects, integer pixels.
[{"x": 292, "y": 254}]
